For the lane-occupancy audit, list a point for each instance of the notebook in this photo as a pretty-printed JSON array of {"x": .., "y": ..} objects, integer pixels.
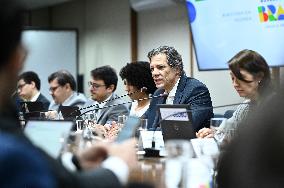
[
  {"x": 176, "y": 121},
  {"x": 48, "y": 135}
]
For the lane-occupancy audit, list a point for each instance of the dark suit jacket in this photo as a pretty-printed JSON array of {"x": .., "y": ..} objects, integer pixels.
[
  {"x": 189, "y": 91},
  {"x": 23, "y": 165},
  {"x": 44, "y": 100},
  {"x": 100, "y": 177}
]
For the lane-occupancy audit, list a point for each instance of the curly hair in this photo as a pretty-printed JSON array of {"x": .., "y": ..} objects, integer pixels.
[
  {"x": 138, "y": 74},
  {"x": 173, "y": 57}
]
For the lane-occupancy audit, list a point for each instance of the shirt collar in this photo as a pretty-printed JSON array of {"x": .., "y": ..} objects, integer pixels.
[
  {"x": 102, "y": 104},
  {"x": 34, "y": 98},
  {"x": 172, "y": 93}
]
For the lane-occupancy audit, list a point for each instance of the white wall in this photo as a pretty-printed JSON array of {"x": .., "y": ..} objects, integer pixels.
[{"x": 104, "y": 33}]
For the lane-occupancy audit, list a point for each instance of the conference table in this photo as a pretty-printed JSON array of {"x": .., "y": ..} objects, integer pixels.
[{"x": 149, "y": 171}]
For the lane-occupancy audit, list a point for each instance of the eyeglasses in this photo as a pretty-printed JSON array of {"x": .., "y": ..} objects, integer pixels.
[
  {"x": 20, "y": 86},
  {"x": 53, "y": 89},
  {"x": 95, "y": 85}
]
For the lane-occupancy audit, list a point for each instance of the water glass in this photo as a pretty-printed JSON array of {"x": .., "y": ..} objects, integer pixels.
[
  {"x": 179, "y": 152},
  {"x": 90, "y": 116},
  {"x": 121, "y": 120},
  {"x": 143, "y": 124},
  {"x": 216, "y": 122},
  {"x": 80, "y": 125}
]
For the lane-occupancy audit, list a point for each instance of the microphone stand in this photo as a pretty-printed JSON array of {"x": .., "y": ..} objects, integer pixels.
[
  {"x": 118, "y": 97},
  {"x": 113, "y": 105}
]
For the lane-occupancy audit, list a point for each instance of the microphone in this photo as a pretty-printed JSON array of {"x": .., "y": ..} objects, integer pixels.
[
  {"x": 143, "y": 89},
  {"x": 153, "y": 152},
  {"x": 113, "y": 105}
]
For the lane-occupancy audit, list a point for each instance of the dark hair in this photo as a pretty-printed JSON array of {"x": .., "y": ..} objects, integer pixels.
[
  {"x": 138, "y": 74},
  {"x": 63, "y": 77},
  {"x": 107, "y": 74},
  {"x": 173, "y": 57},
  {"x": 29, "y": 77},
  {"x": 253, "y": 63},
  {"x": 11, "y": 21}
]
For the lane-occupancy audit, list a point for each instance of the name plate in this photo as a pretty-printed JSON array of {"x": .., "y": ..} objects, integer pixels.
[{"x": 147, "y": 138}]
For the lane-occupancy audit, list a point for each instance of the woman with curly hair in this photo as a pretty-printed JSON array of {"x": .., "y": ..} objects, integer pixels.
[{"x": 139, "y": 84}]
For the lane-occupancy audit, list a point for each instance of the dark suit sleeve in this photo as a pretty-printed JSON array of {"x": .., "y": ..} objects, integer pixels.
[
  {"x": 201, "y": 105},
  {"x": 44, "y": 100},
  {"x": 100, "y": 177}
]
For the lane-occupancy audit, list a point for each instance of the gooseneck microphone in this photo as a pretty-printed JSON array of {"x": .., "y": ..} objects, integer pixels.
[
  {"x": 113, "y": 105},
  {"x": 95, "y": 106},
  {"x": 143, "y": 89}
]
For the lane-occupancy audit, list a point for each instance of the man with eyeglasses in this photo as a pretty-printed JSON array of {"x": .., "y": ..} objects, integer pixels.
[
  {"x": 102, "y": 87},
  {"x": 62, "y": 88},
  {"x": 29, "y": 89}
]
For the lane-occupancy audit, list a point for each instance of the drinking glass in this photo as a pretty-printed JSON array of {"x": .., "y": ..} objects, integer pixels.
[
  {"x": 178, "y": 154},
  {"x": 80, "y": 125},
  {"x": 90, "y": 119},
  {"x": 121, "y": 120},
  {"x": 216, "y": 122},
  {"x": 143, "y": 124}
]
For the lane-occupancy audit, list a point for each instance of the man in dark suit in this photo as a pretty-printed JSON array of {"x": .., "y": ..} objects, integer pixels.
[
  {"x": 168, "y": 74},
  {"x": 12, "y": 55},
  {"x": 29, "y": 89}
]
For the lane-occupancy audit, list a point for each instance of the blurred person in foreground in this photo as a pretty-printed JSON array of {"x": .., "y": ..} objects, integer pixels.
[
  {"x": 251, "y": 79},
  {"x": 113, "y": 171},
  {"x": 254, "y": 158},
  {"x": 167, "y": 71}
]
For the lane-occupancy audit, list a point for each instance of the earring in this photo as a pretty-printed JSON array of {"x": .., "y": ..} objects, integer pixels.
[{"x": 259, "y": 82}]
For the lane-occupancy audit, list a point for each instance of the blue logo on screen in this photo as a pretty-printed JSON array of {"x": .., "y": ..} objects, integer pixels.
[{"x": 191, "y": 11}]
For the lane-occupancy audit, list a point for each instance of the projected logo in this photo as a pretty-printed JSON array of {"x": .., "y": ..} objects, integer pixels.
[
  {"x": 191, "y": 11},
  {"x": 270, "y": 13}
]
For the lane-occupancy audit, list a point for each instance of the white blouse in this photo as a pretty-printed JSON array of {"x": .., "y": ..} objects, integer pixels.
[{"x": 139, "y": 112}]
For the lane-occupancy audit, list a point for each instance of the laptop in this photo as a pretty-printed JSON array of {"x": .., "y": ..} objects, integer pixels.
[
  {"x": 69, "y": 112},
  {"x": 27, "y": 107},
  {"x": 176, "y": 121},
  {"x": 48, "y": 135},
  {"x": 32, "y": 110}
]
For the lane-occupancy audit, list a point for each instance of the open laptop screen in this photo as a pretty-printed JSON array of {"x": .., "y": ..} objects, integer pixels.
[
  {"x": 48, "y": 134},
  {"x": 69, "y": 112},
  {"x": 176, "y": 121}
]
